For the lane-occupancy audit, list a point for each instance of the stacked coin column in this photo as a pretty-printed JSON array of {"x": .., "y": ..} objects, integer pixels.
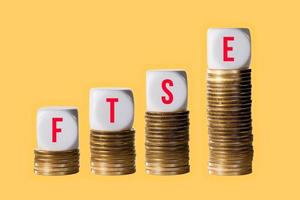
[
  {"x": 167, "y": 123},
  {"x": 57, "y": 150},
  {"x": 111, "y": 135},
  {"x": 229, "y": 102}
]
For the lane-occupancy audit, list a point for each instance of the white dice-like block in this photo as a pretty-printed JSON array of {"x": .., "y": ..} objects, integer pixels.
[
  {"x": 57, "y": 128},
  {"x": 111, "y": 109},
  {"x": 166, "y": 90},
  {"x": 228, "y": 48}
]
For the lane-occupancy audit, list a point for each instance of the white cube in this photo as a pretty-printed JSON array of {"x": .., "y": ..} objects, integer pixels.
[
  {"x": 166, "y": 90},
  {"x": 228, "y": 48},
  {"x": 57, "y": 128},
  {"x": 111, "y": 109}
]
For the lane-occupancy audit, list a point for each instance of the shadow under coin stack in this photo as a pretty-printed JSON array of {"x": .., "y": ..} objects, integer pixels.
[
  {"x": 229, "y": 102},
  {"x": 57, "y": 135},
  {"x": 167, "y": 123},
  {"x": 112, "y": 137}
]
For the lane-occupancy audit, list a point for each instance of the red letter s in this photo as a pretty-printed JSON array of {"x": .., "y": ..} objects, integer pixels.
[{"x": 164, "y": 83}]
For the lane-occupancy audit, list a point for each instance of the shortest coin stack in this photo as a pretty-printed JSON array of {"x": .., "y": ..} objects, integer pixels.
[
  {"x": 167, "y": 143},
  {"x": 230, "y": 123},
  {"x": 112, "y": 153},
  {"x": 56, "y": 163}
]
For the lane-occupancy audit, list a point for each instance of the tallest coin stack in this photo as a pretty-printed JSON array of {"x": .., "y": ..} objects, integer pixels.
[{"x": 229, "y": 102}]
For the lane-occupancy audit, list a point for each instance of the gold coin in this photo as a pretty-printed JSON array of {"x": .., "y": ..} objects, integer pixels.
[
  {"x": 184, "y": 157},
  {"x": 160, "y": 128},
  {"x": 233, "y": 163},
  {"x": 167, "y": 120},
  {"x": 150, "y": 165},
  {"x": 42, "y": 164},
  {"x": 230, "y": 137},
  {"x": 113, "y": 158},
  {"x": 229, "y": 101},
  {"x": 230, "y": 140},
  {"x": 227, "y": 144},
  {"x": 223, "y": 169},
  {"x": 112, "y": 165},
  {"x": 212, "y": 92},
  {"x": 113, "y": 132},
  {"x": 111, "y": 136},
  {"x": 229, "y": 120},
  {"x": 166, "y": 144},
  {"x": 112, "y": 169},
  {"x": 55, "y": 170},
  {"x": 182, "y": 131},
  {"x": 230, "y": 85},
  {"x": 37, "y": 172},
  {"x": 112, "y": 144},
  {"x": 95, "y": 157},
  {"x": 111, "y": 147},
  {"x": 236, "y": 113},
  {"x": 229, "y": 126},
  {"x": 230, "y": 154},
  {"x": 230, "y": 173},
  {"x": 112, "y": 153},
  {"x": 112, "y": 139},
  {"x": 185, "y": 138},
  {"x": 115, "y": 173},
  {"x": 229, "y": 167},
  {"x": 169, "y": 125},
  {"x": 233, "y": 159},
  {"x": 245, "y": 108},
  {"x": 45, "y": 152},
  {"x": 225, "y": 88},
  {"x": 167, "y": 113},
  {"x": 228, "y": 75},
  {"x": 228, "y": 80},
  {"x": 168, "y": 169},
  {"x": 56, "y": 157},
  {"x": 235, "y": 86},
  {"x": 166, "y": 173},
  {"x": 167, "y": 155},
  {"x": 154, "y": 162},
  {"x": 167, "y": 136},
  {"x": 228, "y": 106},
  {"x": 116, "y": 160},
  {"x": 168, "y": 148}
]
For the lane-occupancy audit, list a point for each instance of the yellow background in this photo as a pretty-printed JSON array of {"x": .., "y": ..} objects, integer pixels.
[{"x": 53, "y": 52}]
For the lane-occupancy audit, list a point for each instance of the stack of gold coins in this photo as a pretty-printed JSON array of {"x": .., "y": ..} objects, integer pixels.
[
  {"x": 57, "y": 151},
  {"x": 112, "y": 135},
  {"x": 229, "y": 101},
  {"x": 229, "y": 121},
  {"x": 167, "y": 143},
  {"x": 56, "y": 163},
  {"x": 112, "y": 153},
  {"x": 167, "y": 122}
]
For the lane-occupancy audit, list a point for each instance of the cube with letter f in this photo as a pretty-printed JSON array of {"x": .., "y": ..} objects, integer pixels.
[{"x": 57, "y": 128}]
